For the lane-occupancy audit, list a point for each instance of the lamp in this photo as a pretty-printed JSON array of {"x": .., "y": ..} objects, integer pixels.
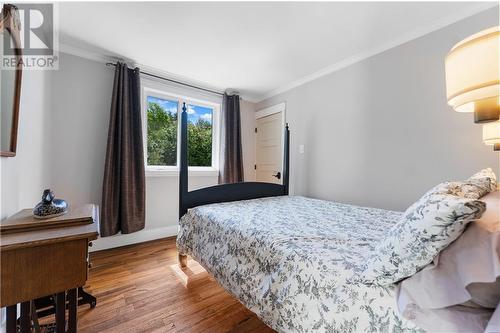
[
  {"x": 473, "y": 75},
  {"x": 491, "y": 134}
]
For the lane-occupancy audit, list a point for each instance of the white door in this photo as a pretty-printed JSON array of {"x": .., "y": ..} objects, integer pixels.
[{"x": 269, "y": 149}]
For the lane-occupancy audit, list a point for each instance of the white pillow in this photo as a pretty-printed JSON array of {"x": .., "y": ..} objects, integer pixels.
[
  {"x": 465, "y": 189},
  {"x": 427, "y": 227},
  {"x": 485, "y": 178}
]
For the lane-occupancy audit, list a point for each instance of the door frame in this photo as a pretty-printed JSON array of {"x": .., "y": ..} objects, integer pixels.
[{"x": 281, "y": 107}]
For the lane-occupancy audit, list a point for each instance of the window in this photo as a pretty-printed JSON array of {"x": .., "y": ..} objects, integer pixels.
[
  {"x": 162, "y": 112},
  {"x": 162, "y": 131},
  {"x": 199, "y": 135}
]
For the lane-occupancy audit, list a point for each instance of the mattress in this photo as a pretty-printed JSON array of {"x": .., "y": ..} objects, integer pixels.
[{"x": 296, "y": 262}]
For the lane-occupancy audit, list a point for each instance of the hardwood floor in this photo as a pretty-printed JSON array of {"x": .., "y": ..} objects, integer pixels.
[{"x": 141, "y": 288}]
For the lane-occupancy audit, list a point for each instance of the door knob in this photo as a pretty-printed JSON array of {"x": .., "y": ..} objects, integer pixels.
[{"x": 277, "y": 175}]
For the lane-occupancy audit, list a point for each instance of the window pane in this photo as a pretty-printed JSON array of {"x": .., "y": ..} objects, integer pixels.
[
  {"x": 162, "y": 131},
  {"x": 199, "y": 135}
]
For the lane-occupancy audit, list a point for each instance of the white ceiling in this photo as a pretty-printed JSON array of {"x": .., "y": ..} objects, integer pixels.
[{"x": 255, "y": 48}]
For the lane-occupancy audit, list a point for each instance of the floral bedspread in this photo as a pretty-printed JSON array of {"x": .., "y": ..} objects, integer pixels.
[{"x": 296, "y": 262}]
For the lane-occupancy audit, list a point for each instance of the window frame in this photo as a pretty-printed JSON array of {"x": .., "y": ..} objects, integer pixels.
[{"x": 171, "y": 170}]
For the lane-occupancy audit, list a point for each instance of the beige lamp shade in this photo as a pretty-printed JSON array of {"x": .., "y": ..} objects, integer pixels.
[
  {"x": 491, "y": 134},
  {"x": 473, "y": 75}
]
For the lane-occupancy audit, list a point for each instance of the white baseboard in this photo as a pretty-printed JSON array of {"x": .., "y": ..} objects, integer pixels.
[{"x": 118, "y": 240}]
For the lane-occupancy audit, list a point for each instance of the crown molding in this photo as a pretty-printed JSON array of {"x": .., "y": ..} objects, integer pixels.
[
  {"x": 414, "y": 34},
  {"x": 101, "y": 58},
  {"x": 82, "y": 53}
]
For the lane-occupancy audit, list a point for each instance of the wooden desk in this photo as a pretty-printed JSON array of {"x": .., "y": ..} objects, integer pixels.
[{"x": 44, "y": 262}]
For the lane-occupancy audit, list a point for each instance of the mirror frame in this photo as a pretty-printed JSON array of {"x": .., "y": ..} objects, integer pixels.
[{"x": 10, "y": 22}]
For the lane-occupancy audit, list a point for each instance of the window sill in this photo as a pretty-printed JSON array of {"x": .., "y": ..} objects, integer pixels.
[{"x": 193, "y": 172}]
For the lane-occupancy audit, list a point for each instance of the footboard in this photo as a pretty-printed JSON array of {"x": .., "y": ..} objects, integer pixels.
[
  {"x": 230, "y": 192},
  {"x": 226, "y": 192}
]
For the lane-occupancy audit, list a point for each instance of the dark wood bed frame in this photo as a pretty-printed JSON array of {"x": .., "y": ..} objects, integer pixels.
[{"x": 225, "y": 192}]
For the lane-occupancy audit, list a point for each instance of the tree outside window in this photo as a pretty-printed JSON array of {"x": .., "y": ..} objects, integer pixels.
[{"x": 162, "y": 130}]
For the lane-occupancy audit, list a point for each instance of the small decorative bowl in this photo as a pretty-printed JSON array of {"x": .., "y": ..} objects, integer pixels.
[{"x": 49, "y": 206}]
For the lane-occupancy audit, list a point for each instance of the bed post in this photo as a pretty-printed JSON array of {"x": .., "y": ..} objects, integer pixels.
[
  {"x": 286, "y": 160},
  {"x": 183, "y": 168},
  {"x": 183, "y": 175}
]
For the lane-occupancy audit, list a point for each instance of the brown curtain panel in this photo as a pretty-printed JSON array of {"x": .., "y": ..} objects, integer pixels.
[
  {"x": 123, "y": 193},
  {"x": 231, "y": 160}
]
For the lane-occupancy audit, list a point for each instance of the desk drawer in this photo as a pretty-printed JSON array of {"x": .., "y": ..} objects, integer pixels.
[{"x": 37, "y": 271}]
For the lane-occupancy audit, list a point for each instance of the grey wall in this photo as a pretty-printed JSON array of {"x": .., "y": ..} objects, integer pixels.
[
  {"x": 24, "y": 176},
  {"x": 78, "y": 128},
  {"x": 379, "y": 133}
]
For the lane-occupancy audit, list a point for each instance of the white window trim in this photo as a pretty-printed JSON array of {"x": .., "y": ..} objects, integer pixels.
[
  {"x": 281, "y": 107},
  {"x": 193, "y": 172},
  {"x": 173, "y": 171}
]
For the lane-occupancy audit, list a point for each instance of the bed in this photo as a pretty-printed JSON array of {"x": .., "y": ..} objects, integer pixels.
[
  {"x": 296, "y": 261},
  {"x": 308, "y": 265},
  {"x": 293, "y": 261}
]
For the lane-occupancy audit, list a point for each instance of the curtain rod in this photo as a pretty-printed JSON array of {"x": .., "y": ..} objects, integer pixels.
[{"x": 174, "y": 81}]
